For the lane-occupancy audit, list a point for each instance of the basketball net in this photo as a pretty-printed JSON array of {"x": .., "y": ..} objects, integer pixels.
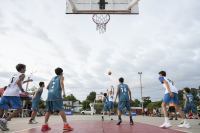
[{"x": 101, "y": 20}]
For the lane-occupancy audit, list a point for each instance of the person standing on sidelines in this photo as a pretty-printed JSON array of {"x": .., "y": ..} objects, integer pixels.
[
  {"x": 11, "y": 95},
  {"x": 124, "y": 94},
  {"x": 172, "y": 109},
  {"x": 35, "y": 102},
  {"x": 111, "y": 99},
  {"x": 54, "y": 99}
]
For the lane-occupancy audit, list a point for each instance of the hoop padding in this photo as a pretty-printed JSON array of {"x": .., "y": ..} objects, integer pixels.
[{"x": 101, "y": 20}]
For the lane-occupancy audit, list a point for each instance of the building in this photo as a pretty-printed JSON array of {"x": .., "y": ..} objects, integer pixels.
[{"x": 76, "y": 105}]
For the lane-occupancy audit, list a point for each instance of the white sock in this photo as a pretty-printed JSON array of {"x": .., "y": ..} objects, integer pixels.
[
  {"x": 65, "y": 123},
  {"x": 5, "y": 121},
  {"x": 185, "y": 121},
  {"x": 45, "y": 123},
  {"x": 166, "y": 120}
]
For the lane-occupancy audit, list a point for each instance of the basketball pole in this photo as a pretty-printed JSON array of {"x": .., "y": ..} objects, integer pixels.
[{"x": 141, "y": 88}]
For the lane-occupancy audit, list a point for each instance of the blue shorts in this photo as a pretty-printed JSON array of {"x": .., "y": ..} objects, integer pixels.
[
  {"x": 15, "y": 101},
  {"x": 168, "y": 99},
  {"x": 35, "y": 106},
  {"x": 123, "y": 104},
  {"x": 55, "y": 105},
  {"x": 106, "y": 107},
  {"x": 190, "y": 106},
  {"x": 111, "y": 104}
]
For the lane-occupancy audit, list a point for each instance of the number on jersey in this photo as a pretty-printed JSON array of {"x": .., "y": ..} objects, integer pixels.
[{"x": 170, "y": 81}]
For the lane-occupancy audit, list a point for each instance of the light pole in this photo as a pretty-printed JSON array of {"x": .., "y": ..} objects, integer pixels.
[{"x": 141, "y": 88}]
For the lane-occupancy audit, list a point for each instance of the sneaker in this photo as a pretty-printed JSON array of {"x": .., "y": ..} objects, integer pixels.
[
  {"x": 111, "y": 119},
  {"x": 32, "y": 122},
  {"x": 67, "y": 127},
  {"x": 131, "y": 122},
  {"x": 102, "y": 118},
  {"x": 182, "y": 121},
  {"x": 185, "y": 125},
  {"x": 171, "y": 119},
  {"x": 166, "y": 125},
  {"x": 35, "y": 121},
  {"x": 3, "y": 126},
  {"x": 45, "y": 127},
  {"x": 176, "y": 119},
  {"x": 7, "y": 117},
  {"x": 119, "y": 122}
]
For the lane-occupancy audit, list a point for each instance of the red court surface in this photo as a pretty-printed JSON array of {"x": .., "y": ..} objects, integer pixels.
[{"x": 102, "y": 127}]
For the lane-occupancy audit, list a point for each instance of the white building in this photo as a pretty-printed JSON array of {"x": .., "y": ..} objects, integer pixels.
[{"x": 76, "y": 106}]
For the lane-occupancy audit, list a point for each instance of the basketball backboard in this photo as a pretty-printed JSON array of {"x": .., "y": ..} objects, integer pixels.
[{"x": 102, "y": 7}]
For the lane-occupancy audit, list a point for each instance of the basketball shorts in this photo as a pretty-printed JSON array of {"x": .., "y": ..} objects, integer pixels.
[
  {"x": 171, "y": 109},
  {"x": 15, "y": 102},
  {"x": 55, "y": 105},
  {"x": 35, "y": 106},
  {"x": 106, "y": 107},
  {"x": 111, "y": 104},
  {"x": 190, "y": 106},
  {"x": 168, "y": 99},
  {"x": 123, "y": 104}
]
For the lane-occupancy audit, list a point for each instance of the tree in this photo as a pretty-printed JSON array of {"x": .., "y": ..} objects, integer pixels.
[
  {"x": 158, "y": 104},
  {"x": 86, "y": 104},
  {"x": 91, "y": 96},
  {"x": 70, "y": 97},
  {"x": 180, "y": 95},
  {"x": 135, "y": 103},
  {"x": 146, "y": 101},
  {"x": 151, "y": 106}
]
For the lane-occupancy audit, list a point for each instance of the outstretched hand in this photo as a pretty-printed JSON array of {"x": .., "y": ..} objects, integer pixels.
[{"x": 30, "y": 80}]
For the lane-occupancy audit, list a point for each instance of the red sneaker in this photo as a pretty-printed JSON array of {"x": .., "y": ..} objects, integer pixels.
[
  {"x": 67, "y": 127},
  {"x": 45, "y": 127}
]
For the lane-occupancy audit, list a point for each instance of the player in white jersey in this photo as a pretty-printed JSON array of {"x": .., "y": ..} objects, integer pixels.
[
  {"x": 171, "y": 95},
  {"x": 111, "y": 99},
  {"x": 11, "y": 94}
]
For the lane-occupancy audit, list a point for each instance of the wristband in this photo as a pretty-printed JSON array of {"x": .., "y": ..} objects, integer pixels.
[{"x": 22, "y": 90}]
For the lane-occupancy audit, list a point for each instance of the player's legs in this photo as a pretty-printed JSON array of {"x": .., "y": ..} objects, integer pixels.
[
  {"x": 63, "y": 116},
  {"x": 6, "y": 113},
  {"x": 164, "y": 109},
  {"x": 177, "y": 107},
  {"x": 170, "y": 115},
  {"x": 47, "y": 115}
]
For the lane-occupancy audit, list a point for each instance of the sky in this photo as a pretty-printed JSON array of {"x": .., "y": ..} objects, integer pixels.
[{"x": 164, "y": 36}]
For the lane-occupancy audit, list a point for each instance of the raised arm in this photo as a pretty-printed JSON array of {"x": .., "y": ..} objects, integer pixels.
[
  {"x": 113, "y": 91},
  {"x": 116, "y": 93},
  {"x": 62, "y": 85},
  {"x": 107, "y": 92},
  {"x": 28, "y": 81},
  {"x": 129, "y": 93},
  {"x": 21, "y": 78},
  {"x": 103, "y": 101}
]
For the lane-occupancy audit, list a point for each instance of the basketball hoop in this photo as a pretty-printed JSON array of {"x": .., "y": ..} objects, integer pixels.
[{"x": 101, "y": 20}]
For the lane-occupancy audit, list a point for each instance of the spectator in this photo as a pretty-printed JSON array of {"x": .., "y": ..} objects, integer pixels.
[
  {"x": 190, "y": 115},
  {"x": 198, "y": 108},
  {"x": 145, "y": 111},
  {"x": 157, "y": 111}
]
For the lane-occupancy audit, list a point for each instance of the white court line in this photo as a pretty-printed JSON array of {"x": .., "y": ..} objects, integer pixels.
[
  {"x": 40, "y": 126},
  {"x": 167, "y": 128}
]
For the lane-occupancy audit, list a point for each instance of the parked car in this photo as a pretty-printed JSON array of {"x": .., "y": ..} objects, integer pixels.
[
  {"x": 112, "y": 113},
  {"x": 87, "y": 111}
]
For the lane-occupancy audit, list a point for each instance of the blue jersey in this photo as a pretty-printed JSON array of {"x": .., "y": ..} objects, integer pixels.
[
  {"x": 37, "y": 99},
  {"x": 55, "y": 90},
  {"x": 106, "y": 100},
  {"x": 190, "y": 98},
  {"x": 123, "y": 92}
]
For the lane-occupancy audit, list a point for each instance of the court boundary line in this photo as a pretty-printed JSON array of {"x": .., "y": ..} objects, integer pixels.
[{"x": 168, "y": 128}]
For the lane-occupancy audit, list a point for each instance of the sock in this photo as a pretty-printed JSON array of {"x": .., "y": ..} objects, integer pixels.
[
  {"x": 119, "y": 117},
  {"x": 45, "y": 123},
  {"x": 5, "y": 121},
  {"x": 65, "y": 123},
  {"x": 166, "y": 120},
  {"x": 185, "y": 121},
  {"x": 131, "y": 118}
]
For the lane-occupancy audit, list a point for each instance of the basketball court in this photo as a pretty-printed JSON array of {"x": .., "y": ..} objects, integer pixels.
[{"x": 93, "y": 124}]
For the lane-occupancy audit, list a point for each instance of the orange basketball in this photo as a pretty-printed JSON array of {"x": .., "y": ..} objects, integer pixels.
[{"x": 109, "y": 73}]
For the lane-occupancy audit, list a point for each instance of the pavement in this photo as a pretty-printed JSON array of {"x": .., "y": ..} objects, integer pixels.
[{"x": 93, "y": 124}]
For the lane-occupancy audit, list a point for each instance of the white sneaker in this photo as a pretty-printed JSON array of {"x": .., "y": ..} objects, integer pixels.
[
  {"x": 166, "y": 125},
  {"x": 35, "y": 121},
  {"x": 32, "y": 122},
  {"x": 185, "y": 125}
]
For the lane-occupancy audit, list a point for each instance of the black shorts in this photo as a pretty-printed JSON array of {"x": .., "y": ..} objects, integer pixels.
[{"x": 171, "y": 109}]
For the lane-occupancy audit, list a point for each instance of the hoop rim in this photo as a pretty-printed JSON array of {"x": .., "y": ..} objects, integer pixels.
[{"x": 101, "y": 23}]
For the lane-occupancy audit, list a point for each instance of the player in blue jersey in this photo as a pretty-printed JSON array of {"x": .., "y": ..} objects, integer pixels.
[
  {"x": 189, "y": 104},
  {"x": 35, "y": 102},
  {"x": 171, "y": 95},
  {"x": 106, "y": 106},
  {"x": 54, "y": 99},
  {"x": 124, "y": 95}
]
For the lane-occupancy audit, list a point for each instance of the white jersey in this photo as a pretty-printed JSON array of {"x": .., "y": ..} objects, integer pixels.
[
  {"x": 111, "y": 98},
  {"x": 171, "y": 86},
  {"x": 13, "y": 89}
]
